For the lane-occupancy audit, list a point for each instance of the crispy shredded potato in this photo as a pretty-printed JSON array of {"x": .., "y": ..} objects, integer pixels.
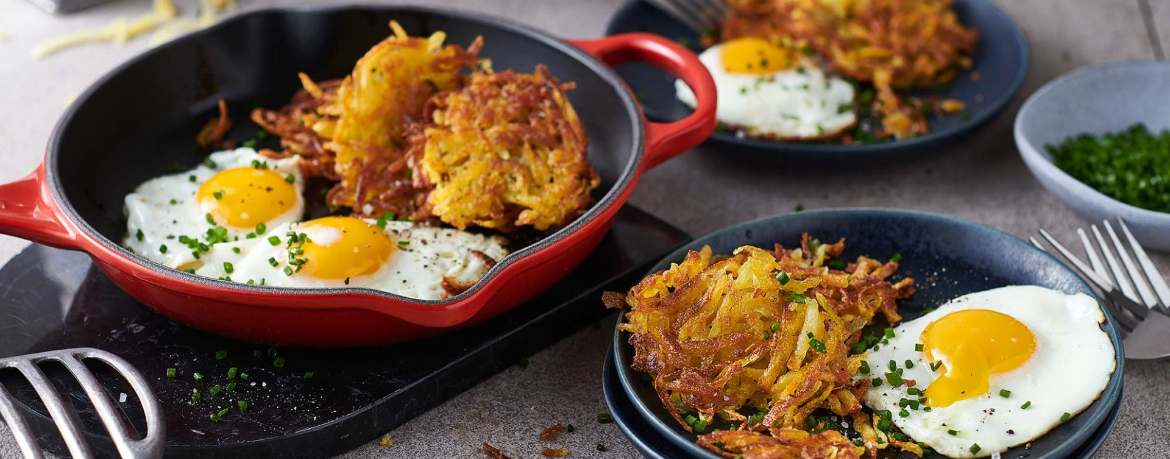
[
  {"x": 767, "y": 331},
  {"x": 506, "y": 150},
  {"x": 894, "y": 44}
]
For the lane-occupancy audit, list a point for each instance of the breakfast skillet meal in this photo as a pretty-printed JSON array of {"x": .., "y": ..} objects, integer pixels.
[
  {"x": 410, "y": 141},
  {"x": 793, "y": 70},
  {"x": 786, "y": 350}
]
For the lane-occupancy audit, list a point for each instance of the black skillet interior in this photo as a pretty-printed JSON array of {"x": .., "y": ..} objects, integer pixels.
[
  {"x": 947, "y": 258},
  {"x": 140, "y": 121}
]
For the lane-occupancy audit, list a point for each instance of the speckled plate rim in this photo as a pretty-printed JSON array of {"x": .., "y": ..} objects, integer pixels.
[
  {"x": 1041, "y": 163},
  {"x": 1096, "y": 415},
  {"x": 615, "y": 395},
  {"x": 863, "y": 151}
]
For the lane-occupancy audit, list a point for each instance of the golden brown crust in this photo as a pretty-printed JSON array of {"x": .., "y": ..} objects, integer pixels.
[
  {"x": 894, "y": 44},
  {"x": 504, "y": 151},
  {"x": 765, "y": 330}
]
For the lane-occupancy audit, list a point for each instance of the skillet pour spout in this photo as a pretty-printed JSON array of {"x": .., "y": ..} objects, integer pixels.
[{"x": 140, "y": 120}]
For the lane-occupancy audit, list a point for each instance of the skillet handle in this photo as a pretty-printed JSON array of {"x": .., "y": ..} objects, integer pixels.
[
  {"x": 663, "y": 140},
  {"x": 27, "y": 211}
]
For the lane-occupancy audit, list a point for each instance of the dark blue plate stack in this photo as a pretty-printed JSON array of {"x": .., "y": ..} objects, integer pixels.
[
  {"x": 1001, "y": 64},
  {"x": 960, "y": 257}
]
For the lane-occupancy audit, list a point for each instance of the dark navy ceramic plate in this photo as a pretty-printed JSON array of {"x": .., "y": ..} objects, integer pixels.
[
  {"x": 654, "y": 446},
  {"x": 1001, "y": 61},
  {"x": 947, "y": 257}
]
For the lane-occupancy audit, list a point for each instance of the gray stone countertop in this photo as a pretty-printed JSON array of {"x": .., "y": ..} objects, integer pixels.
[{"x": 981, "y": 178}]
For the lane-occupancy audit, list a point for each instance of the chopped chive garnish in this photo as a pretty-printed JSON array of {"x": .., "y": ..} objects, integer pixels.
[
  {"x": 235, "y": 249},
  {"x": 274, "y": 240},
  {"x": 174, "y": 201},
  {"x": 191, "y": 178},
  {"x": 934, "y": 366},
  {"x": 818, "y": 345},
  {"x": 209, "y": 219},
  {"x": 1005, "y": 393},
  {"x": 215, "y": 390},
  {"x": 909, "y": 364},
  {"x": 864, "y": 368},
  {"x": 903, "y": 413},
  {"x": 209, "y": 163},
  {"x": 918, "y": 347},
  {"x": 782, "y": 277},
  {"x": 272, "y": 261},
  {"x": 876, "y": 382},
  {"x": 278, "y": 362},
  {"x": 403, "y": 242},
  {"x": 889, "y": 332},
  {"x": 224, "y": 412},
  {"x": 897, "y": 258},
  {"x": 244, "y": 376},
  {"x": 261, "y": 228},
  {"x": 975, "y": 448},
  {"x": 198, "y": 376},
  {"x": 858, "y": 442},
  {"x": 218, "y": 194},
  {"x": 893, "y": 365},
  {"x": 604, "y": 418},
  {"x": 228, "y": 268},
  {"x": 775, "y": 326},
  {"x": 243, "y": 405},
  {"x": 139, "y": 235},
  {"x": 1065, "y": 417},
  {"x": 912, "y": 391},
  {"x": 309, "y": 374},
  {"x": 232, "y": 372},
  {"x": 288, "y": 271},
  {"x": 1026, "y": 405},
  {"x": 195, "y": 395},
  {"x": 162, "y": 248},
  {"x": 171, "y": 372},
  {"x": 290, "y": 178},
  {"x": 894, "y": 379},
  {"x": 220, "y": 355},
  {"x": 231, "y": 386},
  {"x": 796, "y": 297}
]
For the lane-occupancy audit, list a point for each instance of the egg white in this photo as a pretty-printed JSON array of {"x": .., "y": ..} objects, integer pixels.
[
  {"x": 422, "y": 256},
  {"x": 1071, "y": 366},
  {"x": 149, "y": 208},
  {"x": 799, "y": 103}
]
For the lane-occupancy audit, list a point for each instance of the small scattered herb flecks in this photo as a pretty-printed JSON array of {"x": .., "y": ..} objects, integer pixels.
[
  {"x": 309, "y": 375},
  {"x": 975, "y": 448},
  {"x": 278, "y": 362},
  {"x": 1005, "y": 393},
  {"x": 1026, "y": 405},
  {"x": 215, "y": 390},
  {"x": 782, "y": 278},
  {"x": 1131, "y": 166},
  {"x": 796, "y": 297},
  {"x": 816, "y": 344},
  {"x": 198, "y": 376},
  {"x": 171, "y": 373},
  {"x": 220, "y": 355},
  {"x": 897, "y": 258},
  {"x": 918, "y": 347},
  {"x": 243, "y": 405},
  {"x": 604, "y": 418},
  {"x": 934, "y": 366},
  {"x": 1064, "y": 417},
  {"x": 195, "y": 395}
]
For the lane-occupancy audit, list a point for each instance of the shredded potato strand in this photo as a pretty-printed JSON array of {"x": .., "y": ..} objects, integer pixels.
[{"x": 769, "y": 331}]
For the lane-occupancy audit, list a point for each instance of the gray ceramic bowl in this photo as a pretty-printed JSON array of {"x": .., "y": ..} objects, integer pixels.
[{"x": 1098, "y": 99}]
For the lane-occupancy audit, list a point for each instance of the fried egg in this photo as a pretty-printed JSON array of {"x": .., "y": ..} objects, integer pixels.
[
  {"x": 768, "y": 90},
  {"x": 233, "y": 195},
  {"x": 393, "y": 256},
  {"x": 990, "y": 370}
]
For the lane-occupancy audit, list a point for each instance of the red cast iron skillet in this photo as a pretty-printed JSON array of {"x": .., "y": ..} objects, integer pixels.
[{"x": 140, "y": 121}]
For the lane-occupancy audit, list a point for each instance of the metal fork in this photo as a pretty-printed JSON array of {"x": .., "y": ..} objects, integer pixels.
[
  {"x": 700, "y": 15},
  {"x": 150, "y": 446},
  {"x": 1137, "y": 298}
]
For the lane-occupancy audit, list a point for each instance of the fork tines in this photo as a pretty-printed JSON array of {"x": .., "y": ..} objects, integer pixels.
[
  {"x": 150, "y": 446},
  {"x": 700, "y": 15},
  {"x": 1130, "y": 289}
]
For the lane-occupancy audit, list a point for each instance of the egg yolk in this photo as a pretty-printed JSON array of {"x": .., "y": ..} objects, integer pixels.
[
  {"x": 244, "y": 197},
  {"x": 973, "y": 345},
  {"x": 341, "y": 247},
  {"x": 756, "y": 56}
]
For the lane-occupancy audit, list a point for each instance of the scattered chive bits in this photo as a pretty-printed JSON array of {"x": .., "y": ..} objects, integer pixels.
[
  {"x": 198, "y": 376},
  {"x": 215, "y": 390},
  {"x": 796, "y": 297},
  {"x": 919, "y": 347},
  {"x": 889, "y": 331},
  {"x": 171, "y": 373},
  {"x": 1026, "y": 405},
  {"x": 782, "y": 278},
  {"x": 974, "y": 448},
  {"x": 230, "y": 386},
  {"x": 864, "y": 368},
  {"x": 934, "y": 366},
  {"x": 604, "y": 418},
  {"x": 1005, "y": 393},
  {"x": 909, "y": 364},
  {"x": 195, "y": 395},
  {"x": 775, "y": 326},
  {"x": 138, "y": 235},
  {"x": 162, "y": 248},
  {"x": 232, "y": 372},
  {"x": 278, "y": 362},
  {"x": 897, "y": 258},
  {"x": 1065, "y": 417},
  {"x": 290, "y": 178},
  {"x": 309, "y": 375},
  {"x": 243, "y": 405},
  {"x": 220, "y": 355}
]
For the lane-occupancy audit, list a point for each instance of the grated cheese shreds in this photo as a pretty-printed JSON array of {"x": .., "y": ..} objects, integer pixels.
[{"x": 163, "y": 20}]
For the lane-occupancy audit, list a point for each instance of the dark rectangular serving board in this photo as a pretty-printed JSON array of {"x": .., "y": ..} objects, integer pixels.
[{"x": 54, "y": 299}]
